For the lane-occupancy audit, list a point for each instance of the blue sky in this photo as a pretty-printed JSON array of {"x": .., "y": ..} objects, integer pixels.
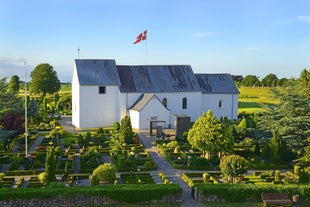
[{"x": 240, "y": 37}]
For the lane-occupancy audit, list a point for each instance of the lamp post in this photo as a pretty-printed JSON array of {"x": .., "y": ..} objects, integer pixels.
[{"x": 26, "y": 122}]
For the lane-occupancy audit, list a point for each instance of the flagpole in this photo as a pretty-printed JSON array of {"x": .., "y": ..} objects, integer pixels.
[
  {"x": 26, "y": 122},
  {"x": 146, "y": 51}
]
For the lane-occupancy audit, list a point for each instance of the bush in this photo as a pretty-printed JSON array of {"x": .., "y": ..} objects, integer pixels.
[
  {"x": 104, "y": 173},
  {"x": 242, "y": 193}
]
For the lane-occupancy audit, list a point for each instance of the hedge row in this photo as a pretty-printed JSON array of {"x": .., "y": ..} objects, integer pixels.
[
  {"x": 122, "y": 193},
  {"x": 241, "y": 192}
]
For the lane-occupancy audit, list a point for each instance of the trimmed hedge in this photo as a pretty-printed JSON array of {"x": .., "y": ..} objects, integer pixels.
[
  {"x": 241, "y": 193},
  {"x": 123, "y": 193}
]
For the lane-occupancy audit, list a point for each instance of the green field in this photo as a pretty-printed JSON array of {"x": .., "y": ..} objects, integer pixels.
[{"x": 254, "y": 99}]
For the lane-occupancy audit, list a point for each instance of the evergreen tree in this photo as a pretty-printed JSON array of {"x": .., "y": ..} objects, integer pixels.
[
  {"x": 14, "y": 84},
  {"x": 125, "y": 131},
  {"x": 33, "y": 110},
  {"x": 50, "y": 165},
  {"x": 276, "y": 146}
]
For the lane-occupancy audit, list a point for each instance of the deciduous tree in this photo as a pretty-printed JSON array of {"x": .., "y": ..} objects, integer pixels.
[
  {"x": 208, "y": 135},
  {"x": 44, "y": 80},
  {"x": 233, "y": 166}
]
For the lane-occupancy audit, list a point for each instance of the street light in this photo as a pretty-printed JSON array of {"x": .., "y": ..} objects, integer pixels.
[{"x": 26, "y": 123}]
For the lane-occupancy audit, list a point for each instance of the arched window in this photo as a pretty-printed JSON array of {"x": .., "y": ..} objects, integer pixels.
[
  {"x": 220, "y": 103},
  {"x": 184, "y": 103},
  {"x": 165, "y": 102}
]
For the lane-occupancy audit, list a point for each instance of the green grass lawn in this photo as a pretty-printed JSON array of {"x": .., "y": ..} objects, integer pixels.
[{"x": 253, "y": 99}]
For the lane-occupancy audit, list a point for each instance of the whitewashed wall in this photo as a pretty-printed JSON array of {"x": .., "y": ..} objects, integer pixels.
[
  {"x": 75, "y": 99},
  {"x": 154, "y": 108},
  {"x": 99, "y": 110},
  {"x": 229, "y": 105}
]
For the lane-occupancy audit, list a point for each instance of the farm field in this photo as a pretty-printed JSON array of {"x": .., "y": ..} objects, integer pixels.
[{"x": 253, "y": 99}]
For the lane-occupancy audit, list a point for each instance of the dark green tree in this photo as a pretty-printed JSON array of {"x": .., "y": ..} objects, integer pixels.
[
  {"x": 44, "y": 80},
  {"x": 50, "y": 165},
  {"x": 14, "y": 84},
  {"x": 250, "y": 80},
  {"x": 270, "y": 80},
  {"x": 33, "y": 111},
  {"x": 276, "y": 146},
  {"x": 304, "y": 82},
  {"x": 125, "y": 131}
]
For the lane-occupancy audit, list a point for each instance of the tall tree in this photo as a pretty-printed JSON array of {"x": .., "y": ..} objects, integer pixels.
[
  {"x": 44, "y": 80},
  {"x": 11, "y": 109},
  {"x": 277, "y": 148},
  {"x": 125, "y": 131},
  {"x": 50, "y": 165},
  {"x": 250, "y": 80},
  {"x": 304, "y": 82},
  {"x": 208, "y": 135},
  {"x": 14, "y": 84},
  {"x": 269, "y": 80}
]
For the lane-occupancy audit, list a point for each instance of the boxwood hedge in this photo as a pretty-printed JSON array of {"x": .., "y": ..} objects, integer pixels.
[{"x": 123, "y": 193}]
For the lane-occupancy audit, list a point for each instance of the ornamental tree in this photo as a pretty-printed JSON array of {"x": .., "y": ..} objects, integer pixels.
[
  {"x": 50, "y": 166},
  {"x": 233, "y": 166},
  {"x": 103, "y": 173},
  {"x": 208, "y": 135},
  {"x": 125, "y": 131}
]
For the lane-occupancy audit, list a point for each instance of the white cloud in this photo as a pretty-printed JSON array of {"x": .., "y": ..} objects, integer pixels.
[
  {"x": 204, "y": 34},
  {"x": 304, "y": 18}
]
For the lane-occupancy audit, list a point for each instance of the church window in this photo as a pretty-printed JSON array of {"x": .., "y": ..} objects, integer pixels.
[
  {"x": 102, "y": 89},
  {"x": 165, "y": 102},
  {"x": 184, "y": 103}
]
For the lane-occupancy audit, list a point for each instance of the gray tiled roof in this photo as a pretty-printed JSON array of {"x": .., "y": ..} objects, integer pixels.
[
  {"x": 142, "y": 101},
  {"x": 157, "y": 78},
  {"x": 97, "y": 72},
  {"x": 217, "y": 84}
]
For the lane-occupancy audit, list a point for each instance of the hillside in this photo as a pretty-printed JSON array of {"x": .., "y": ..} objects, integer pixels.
[{"x": 253, "y": 99}]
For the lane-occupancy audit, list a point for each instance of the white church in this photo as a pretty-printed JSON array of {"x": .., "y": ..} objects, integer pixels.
[{"x": 104, "y": 92}]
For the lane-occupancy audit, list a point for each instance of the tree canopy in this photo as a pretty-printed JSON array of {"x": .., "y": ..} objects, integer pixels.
[
  {"x": 270, "y": 80},
  {"x": 208, "y": 134},
  {"x": 44, "y": 80},
  {"x": 14, "y": 84},
  {"x": 233, "y": 166},
  {"x": 250, "y": 80}
]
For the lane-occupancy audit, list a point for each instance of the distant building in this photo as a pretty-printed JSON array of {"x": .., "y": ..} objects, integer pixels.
[{"x": 103, "y": 92}]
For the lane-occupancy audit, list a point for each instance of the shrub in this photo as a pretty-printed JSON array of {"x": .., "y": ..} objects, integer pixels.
[{"x": 104, "y": 173}]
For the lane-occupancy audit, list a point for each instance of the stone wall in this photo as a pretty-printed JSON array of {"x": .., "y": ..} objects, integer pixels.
[{"x": 61, "y": 201}]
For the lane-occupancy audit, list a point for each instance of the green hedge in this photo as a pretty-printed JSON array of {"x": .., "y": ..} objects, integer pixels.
[
  {"x": 241, "y": 192},
  {"x": 123, "y": 193}
]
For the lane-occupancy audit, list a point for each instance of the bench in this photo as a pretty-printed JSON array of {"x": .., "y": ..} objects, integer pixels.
[{"x": 276, "y": 199}]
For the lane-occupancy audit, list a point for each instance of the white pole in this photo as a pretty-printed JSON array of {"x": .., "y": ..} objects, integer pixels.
[
  {"x": 146, "y": 51},
  {"x": 26, "y": 123}
]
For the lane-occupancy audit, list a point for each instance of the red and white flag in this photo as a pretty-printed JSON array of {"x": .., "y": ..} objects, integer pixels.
[{"x": 140, "y": 37}]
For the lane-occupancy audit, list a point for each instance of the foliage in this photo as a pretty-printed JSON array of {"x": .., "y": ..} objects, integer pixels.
[
  {"x": 270, "y": 80},
  {"x": 238, "y": 192},
  {"x": 10, "y": 104},
  {"x": 50, "y": 165},
  {"x": 125, "y": 131},
  {"x": 14, "y": 84},
  {"x": 103, "y": 173},
  {"x": 33, "y": 111},
  {"x": 173, "y": 144},
  {"x": 304, "y": 82},
  {"x": 277, "y": 148},
  {"x": 122, "y": 193},
  {"x": 291, "y": 118},
  {"x": 44, "y": 80},
  {"x": 233, "y": 165},
  {"x": 250, "y": 80},
  {"x": 207, "y": 135}
]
